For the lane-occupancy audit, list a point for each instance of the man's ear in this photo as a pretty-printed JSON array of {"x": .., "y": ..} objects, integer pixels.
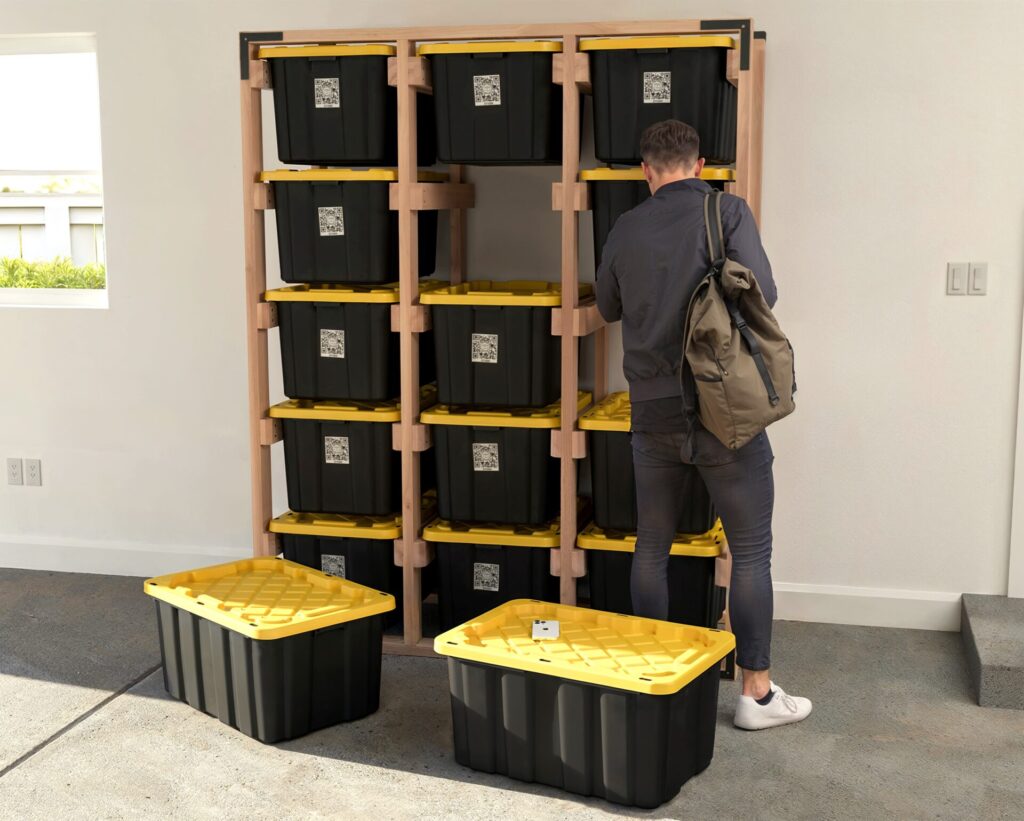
[
  {"x": 698, "y": 167},
  {"x": 648, "y": 173}
]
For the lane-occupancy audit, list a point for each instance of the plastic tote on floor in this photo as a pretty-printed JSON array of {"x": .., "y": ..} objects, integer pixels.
[
  {"x": 614, "y": 191},
  {"x": 494, "y": 343},
  {"x": 337, "y": 342},
  {"x": 611, "y": 471},
  {"x": 639, "y": 81},
  {"x": 333, "y": 106},
  {"x": 482, "y": 566},
  {"x": 693, "y": 597},
  {"x": 595, "y": 703},
  {"x": 495, "y": 465},
  {"x": 496, "y": 104},
  {"x": 358, "y": 548},
  {"x": 336, "y": 225},
  {"x": 339, "y": 457},
  {"x": 269, "y": 647}
]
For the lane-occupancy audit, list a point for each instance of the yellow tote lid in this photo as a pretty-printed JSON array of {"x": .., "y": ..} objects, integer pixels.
[
  {"x": 710, "y": 172},
  {"x": 268, "y": 598},
  {"x": 549, "y": 417},
  {"x": 367, "y": 49},
  {"x": 517, "y": 292},
  {"x": 344, "y": 175},
  {"x": 340, "y": 526},
  {"x": 670, "y": 41},
  {"x": 703, "y": 545},
  {"x": 489, "y": 47},
  {"x": 610, "y": 414},
  {"x": 491, "y": 534},
  {"x": 347, "y": 410},
  {"x": 387, "y": 293},
  {"x": 594, "y": 647}
]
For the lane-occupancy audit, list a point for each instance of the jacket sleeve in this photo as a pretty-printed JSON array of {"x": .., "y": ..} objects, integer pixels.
[
  {"x": 743, "y": 244},
  {"x": 609, "y": 299}
]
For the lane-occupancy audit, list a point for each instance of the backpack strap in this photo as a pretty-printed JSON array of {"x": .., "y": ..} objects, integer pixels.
[
  {"x": 713, "y": 228},
  {"x": 754, "y": 348}
]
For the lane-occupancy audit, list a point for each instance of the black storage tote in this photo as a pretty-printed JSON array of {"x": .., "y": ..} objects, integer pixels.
[
  {"x": 339, "y": 458},
  {"x": 333, "y": 106},
  {"x": 482, "y": 566},
  {"x": 495, "y": 465},
  {"x": 496, "y": 104},
  {"x": 594, "y": 703},
  {"x": 337, "y": 342},
  {"x": 336, "y": 225},
  {"x": 358, "y": 548},
  {"x": 494, "y": 343},
  {"x": 271, "y": 648},
  {"x": 638, "y": 81},
  {"x": 611, "y": 472},
  {"x": 614, "y": 191},
  {"x": 693, "y": 596}
]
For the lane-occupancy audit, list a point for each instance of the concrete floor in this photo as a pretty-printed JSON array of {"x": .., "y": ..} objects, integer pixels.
[{"x": 87, "y": 732}]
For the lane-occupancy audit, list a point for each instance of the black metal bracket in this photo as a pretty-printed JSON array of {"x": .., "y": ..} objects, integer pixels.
[
  {"x": 760, "y": 35},
  {"x": 744, "y": 28},
  {"x": 247, "y": 37}
]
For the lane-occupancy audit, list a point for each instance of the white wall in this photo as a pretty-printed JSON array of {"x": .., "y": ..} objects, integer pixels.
[{"x": 891, "y": 147}]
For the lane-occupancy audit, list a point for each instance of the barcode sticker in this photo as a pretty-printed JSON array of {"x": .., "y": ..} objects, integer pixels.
[
  {"x": 326, "y": 92},
  {"x": 485, "y": 457},
  {"x": 484, "y": 348},
  {"x": 487, "y": 89},
  {"x": 336, "y": 450},
  {"x": 332, "y": 221},
  {"x": 486, "y": 576},
  {"x": 545, "y": 628},
  {"x": 332, "y": 343},
  {"x": 333, "y": 565},
  {"x": 657, "y": 86}
]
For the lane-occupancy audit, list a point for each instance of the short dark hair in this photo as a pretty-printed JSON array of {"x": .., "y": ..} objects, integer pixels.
[{"x": 669, "y": 144}]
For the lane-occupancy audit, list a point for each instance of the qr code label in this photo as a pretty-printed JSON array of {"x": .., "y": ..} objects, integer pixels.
[
  {"x": 486, "y": 576},
  {"x": 332, "y": 221},
  {"x": 332, "y": 343},
  {"x": 326, "y": 92},
  {"x": 657, "y": 86},
  {"x": 487, "y": 89},
  {"x": 485, "y": 457},
  {"x": 334, "y": 565},
  {"x": 484, "y": 348},
  {"x": 336, "y": 450}
]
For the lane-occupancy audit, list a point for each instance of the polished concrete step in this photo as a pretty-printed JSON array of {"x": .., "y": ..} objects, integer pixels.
[{"x": 992, "y": 628}]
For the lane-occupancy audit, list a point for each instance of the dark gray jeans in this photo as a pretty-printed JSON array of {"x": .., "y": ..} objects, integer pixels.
[{"x": 742, "y": 489}]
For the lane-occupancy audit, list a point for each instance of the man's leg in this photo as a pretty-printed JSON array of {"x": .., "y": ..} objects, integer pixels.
[{"x": 660, "y": 476}]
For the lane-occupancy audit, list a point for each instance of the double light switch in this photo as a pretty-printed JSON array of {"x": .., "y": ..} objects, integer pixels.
[{"x": 966, "y": 278}]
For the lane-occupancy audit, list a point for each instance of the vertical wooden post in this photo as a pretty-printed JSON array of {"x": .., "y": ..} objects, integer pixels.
[
  {"x": 408, "y": 277},
  {"x": 457, "y": 232},
  {"x": 264, "y": 543},
  {"x": 744, "y": 108},
  {"x": 570, "y": 301},
  {"x": 757, "y": 69}
]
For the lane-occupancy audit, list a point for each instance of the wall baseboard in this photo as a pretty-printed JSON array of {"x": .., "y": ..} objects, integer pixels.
[{"x": 831, "y": 604}]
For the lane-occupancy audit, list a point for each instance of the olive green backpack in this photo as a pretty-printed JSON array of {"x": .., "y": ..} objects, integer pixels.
[{"x": 740, "y": 361}]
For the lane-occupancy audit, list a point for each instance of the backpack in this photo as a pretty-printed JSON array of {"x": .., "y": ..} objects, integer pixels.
[{"x": 740, "y": 362}]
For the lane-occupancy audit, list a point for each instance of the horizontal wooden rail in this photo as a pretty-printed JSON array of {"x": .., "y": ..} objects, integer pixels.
[
  {"x": 270, "y": 431},
  {"x": 259, "y": 74},
  {"x": 422, "y": 439},
  {"x": 266, "y": 315},
  {"x": 580, "y": 196},
  {"x": 421, "y": 554},
  {"x": 579, "y": 444},
  {"x": 420, "y": 316},
  {"x": 585, "y": 319},
  {"x": 579, "y": 563},
  {"x": 582, "y": 65},
  {"x": 418, "y": 70},
  {"x": 263, "y": 196},
  {"x": 432, "y": 196}
]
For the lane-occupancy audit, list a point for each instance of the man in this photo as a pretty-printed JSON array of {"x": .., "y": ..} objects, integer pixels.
[{"x": 654, "y": 258}]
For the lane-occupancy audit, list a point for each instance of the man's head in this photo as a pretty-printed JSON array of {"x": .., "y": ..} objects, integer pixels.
[{"x": 670, "y": 151}]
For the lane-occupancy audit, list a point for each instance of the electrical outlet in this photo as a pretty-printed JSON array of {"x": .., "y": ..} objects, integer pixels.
[
  {"x": 977, "y": 279},
  {"x": 956, "y": 278},
  {"x": 33, "y": 472},
  {"x": 14, "y": 476}
]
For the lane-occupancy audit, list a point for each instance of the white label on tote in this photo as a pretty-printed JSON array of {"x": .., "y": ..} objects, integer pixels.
[
  {"x": 485, "y": 457},
  {"x": 487, "y": 89},
  {"x": 334, "y": 565},
  {"x": 326, "y": 92},
  {"x": 486, "y": 576},
  {"x": 332, "y": 221},
  {"x": 336, "y": 450},
  {"x": 546, "y": 629},
  {"x": 484, "y": 348},
  {"x": 332, "y": 343},
  {"x": 657, "y": 86}
]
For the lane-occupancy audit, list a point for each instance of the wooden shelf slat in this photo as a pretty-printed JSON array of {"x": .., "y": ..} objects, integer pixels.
[
  {"x": 431, "y": 196},
  {"x": 419, "y": 73}
]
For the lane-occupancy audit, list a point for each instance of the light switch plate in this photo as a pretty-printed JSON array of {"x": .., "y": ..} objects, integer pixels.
[
  {"x": 33, "y": 472},
  {"x": 977, "y": 279},
  {"x": 956, "y": 278},
  {"x": 14, "y": 476}
]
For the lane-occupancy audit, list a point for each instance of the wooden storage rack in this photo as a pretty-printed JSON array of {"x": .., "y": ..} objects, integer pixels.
[{"x": 574, "y": 319}]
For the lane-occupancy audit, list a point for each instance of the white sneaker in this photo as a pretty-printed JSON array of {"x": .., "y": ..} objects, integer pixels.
[{"x": 782, "y": 709}]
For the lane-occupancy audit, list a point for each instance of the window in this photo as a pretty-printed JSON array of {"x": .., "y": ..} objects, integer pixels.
[{"x": 52, "y": 242}]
